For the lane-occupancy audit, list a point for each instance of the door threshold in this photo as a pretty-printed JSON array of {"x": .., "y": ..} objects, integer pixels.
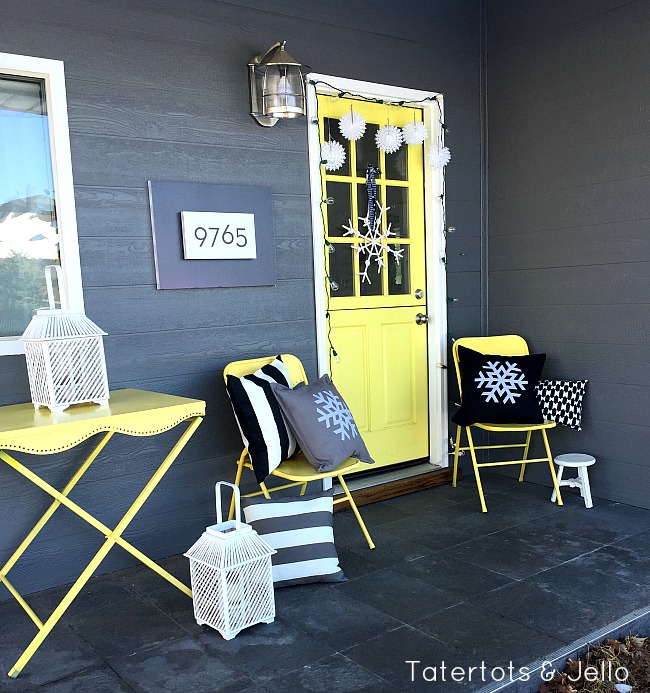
[{"x": 391, "y": 484}]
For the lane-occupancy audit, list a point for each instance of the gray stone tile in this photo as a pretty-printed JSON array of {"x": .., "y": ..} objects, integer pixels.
[
  {"x": 267, "y": 651},
  {"x": 400, "y": 656},
  {"x": 335, "y": 619},
  {"x": 96, "y": 593},
  {"x": 335, "y": 674},
  {"x": 126, "y": 627},
  {"x": 567, "y": 601},
  {"x": 403, "y": 597},
  {"x": 356, "y": 564},
  {"x": 102, "y": 680},
  {"x": 427, "y": 533},
  {"x": 624, "y": 560},
  {"x": 177, "y": 667},
  {"x": 605, "y": 523},
  {"x": 487, "y": 636},
  {"x": 375, "y": 514},
  {"x": 419, "y": 502},
  {"x": 523, "y": 550},
  {"x": 390, "y": 548},
  {"x": 62, "y": 654},
  {"x": 454, "y": 576},
  {"x": 176, "y": 605},
  {"x": 144, "y": 580}
]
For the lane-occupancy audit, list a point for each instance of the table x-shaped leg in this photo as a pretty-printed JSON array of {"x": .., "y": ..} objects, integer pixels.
[{"x": 113, "y": 536}]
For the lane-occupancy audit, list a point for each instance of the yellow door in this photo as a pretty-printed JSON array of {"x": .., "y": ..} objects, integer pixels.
[{"x": 380, "y": 365}]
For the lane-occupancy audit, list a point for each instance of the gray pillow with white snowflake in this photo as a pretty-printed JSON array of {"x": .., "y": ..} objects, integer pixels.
[{"x": 322, "y": 424}]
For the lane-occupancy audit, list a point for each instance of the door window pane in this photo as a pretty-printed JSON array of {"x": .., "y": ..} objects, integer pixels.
[
  {"x": 367, "y": 152},
  {"x": 397, "y": 164},
  {"x": 331, "y": 131},
  {"x": 29, "y": 237},
  {"x": 375, "y": 275},
  {"x": 362, "y": 202},
  {"x": 339, "y": 212},
  {"x": 398, "y": 271},
  {"x": 397, "y": 214},
  {"x": 341, "y": 270}
]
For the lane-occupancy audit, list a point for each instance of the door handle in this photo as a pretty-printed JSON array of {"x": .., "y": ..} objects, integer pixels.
[{"x": 421, "y": 318}]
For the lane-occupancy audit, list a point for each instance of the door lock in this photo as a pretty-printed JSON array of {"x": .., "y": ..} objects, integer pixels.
[
  {"x": 419, "y": 294},
  {"x": 421, "y": 318}
]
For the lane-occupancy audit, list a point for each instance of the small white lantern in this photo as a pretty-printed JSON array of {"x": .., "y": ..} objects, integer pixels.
[
  {"x": 230, "y": 570},
  {"x": 65, "y": 356}
]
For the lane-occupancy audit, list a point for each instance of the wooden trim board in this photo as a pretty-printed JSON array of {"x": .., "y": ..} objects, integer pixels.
[{"x": 399, "y": 487}]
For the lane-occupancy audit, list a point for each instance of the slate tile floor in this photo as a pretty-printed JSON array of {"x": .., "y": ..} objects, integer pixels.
[{"x": 445, "y": 584}]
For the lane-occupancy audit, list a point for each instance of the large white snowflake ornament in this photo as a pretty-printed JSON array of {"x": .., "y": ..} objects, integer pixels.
[
  {"x": 352, "y": 126},
  {"x": 389, "y": 139},
  {"x": 501, "y": 382},
  {"x": 333, "y": 155},
  {"x": 373, "y": 243},
  {"x": 334, "y": 412},
  {"x": 415, "y": 132},
  {"x": 438, "y": 157}
]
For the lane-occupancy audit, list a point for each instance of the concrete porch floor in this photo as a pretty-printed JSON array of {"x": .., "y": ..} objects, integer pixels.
[{"x": 445, "y": 584}]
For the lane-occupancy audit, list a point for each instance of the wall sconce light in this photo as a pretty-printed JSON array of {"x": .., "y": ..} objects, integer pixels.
[{"x": 277, "y": 86}]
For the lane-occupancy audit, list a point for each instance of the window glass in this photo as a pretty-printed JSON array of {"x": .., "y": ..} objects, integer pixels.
[{"x": 29, "y": 238}]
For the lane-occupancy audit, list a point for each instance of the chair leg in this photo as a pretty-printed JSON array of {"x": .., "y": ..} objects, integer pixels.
[
  {"x": 456, "y": 452},
  {"x": 551, "y": 465},
  {"x": 523, "y": 464},
  {"x": 476, "y": 472},
  {"x": 303, "y": 488},
  {"x": 265, "y": 491},
  {"x": 240, "y": 467},
  {"x": 355, "y": 510},
  {"x": 560, "y": 474},
  {"x": 585, "y": 488}
]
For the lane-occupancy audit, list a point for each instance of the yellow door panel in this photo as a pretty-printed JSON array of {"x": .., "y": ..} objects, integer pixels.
[
  {"x": 387, "y": 364},
  {"x": 353, "y": 370},
  {"x": 382, "y": 373}
]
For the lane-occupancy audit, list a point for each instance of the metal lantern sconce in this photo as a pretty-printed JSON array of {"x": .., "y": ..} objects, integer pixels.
[{"x": 277, "y": 86}]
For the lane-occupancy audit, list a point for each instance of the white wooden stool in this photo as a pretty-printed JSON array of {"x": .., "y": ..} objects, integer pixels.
[{"x": 580, "y": 462}]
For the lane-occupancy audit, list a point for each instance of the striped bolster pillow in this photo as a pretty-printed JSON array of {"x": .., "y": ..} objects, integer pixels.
[
  {"x": 263, "y": 427},
  {"x": 300, "y": 529}
]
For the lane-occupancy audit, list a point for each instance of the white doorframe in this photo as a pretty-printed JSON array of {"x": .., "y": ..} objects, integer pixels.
[{"x": 434, "y": 243}]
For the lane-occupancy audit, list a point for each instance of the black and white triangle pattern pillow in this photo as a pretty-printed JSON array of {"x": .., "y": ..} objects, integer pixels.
[{"x": 561, "y": 401}]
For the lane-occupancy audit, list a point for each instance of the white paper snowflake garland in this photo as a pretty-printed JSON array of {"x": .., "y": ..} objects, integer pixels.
[
  {"x": 332, "y": 153},
  {"x": 352, "y": 126},
  {"x": 415, "y": 132},
  {"x": 438, "y": 157},
  {"x": 389, "y": 139},
  {"x": 373, "y": 243}
]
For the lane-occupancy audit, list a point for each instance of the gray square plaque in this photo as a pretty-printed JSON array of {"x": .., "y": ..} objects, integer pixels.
[{"x": 219, "y": 234}]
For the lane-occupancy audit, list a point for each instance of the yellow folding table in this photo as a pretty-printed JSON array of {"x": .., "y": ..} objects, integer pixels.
[{"x": 40, "y": 432}]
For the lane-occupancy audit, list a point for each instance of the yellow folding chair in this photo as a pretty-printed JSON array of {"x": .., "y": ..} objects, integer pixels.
[
  {"x": 297, "y": 469},
  {"x": 504, "y": 345}
]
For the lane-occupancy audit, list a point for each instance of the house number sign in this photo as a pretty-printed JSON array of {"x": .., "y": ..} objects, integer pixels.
[{"x": 218, "y": 236}]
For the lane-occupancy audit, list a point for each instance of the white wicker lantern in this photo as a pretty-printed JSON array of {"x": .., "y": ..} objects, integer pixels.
[
  {"x": 230, "y": 570},
  {"x": 65, "y": 356}
]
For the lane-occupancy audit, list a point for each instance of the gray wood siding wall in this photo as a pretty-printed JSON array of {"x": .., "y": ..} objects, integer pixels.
[
  {"x": 158, "y": 90},
  {"x": 569, "y": 211}
]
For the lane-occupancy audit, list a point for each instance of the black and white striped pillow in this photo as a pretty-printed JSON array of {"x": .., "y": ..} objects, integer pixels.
[
  {"x": 263, "y": 427},
  {"x": 300, "y": 530}
]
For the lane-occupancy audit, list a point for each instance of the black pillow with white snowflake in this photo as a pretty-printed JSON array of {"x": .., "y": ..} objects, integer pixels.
[
  {"x": 322, "y": 423},
  {"x": 498, "y": 389},
  {"x": 561, "y": 401}
]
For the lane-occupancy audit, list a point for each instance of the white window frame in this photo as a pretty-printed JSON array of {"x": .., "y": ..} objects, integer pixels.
[{"x": 52, "y": 74}]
